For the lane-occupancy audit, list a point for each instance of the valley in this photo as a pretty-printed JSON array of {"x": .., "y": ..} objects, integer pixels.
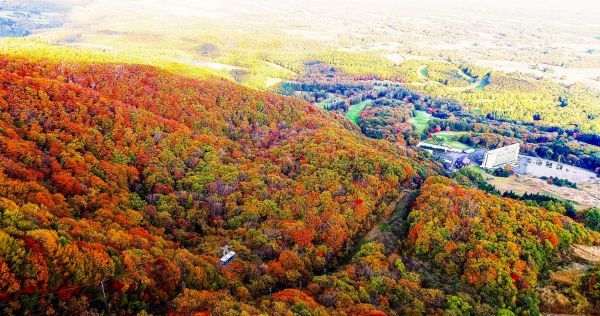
[
  {"x": 18, "y": 19},
  {"x": 390, "y": 110}
]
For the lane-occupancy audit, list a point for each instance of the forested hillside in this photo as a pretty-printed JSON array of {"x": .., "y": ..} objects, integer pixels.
[
  {"x": 119, "y": 184},
  {"x": 495, "y": 250},
  {"x": 136, "y": 177}
]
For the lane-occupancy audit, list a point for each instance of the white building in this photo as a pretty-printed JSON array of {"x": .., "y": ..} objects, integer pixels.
[
  {"x": 497, "y": 158},
  {"x": 445, "y": 149}
]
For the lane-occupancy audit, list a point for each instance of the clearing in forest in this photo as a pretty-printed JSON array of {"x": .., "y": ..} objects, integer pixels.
[
  {"x": 420, "y": 121},
  {"x": 354, "y": 111},
  {"x": 448, "y": 139}
]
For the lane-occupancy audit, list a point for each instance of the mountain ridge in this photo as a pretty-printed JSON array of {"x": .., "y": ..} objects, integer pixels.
[{"x": 109, "y": 171}]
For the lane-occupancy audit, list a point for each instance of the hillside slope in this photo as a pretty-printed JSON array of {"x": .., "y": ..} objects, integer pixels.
[
  {"x": 131, "y": 179},
  {"x": 495, "y": 251},
  {"x": 119, "y": 184}
]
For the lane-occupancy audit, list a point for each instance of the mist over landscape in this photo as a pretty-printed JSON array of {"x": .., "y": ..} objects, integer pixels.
[{"x": 283, "y": 157}]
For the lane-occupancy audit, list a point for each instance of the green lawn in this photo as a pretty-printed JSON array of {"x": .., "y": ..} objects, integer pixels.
[
  {"x": 420, "y": 121},
  {"x": 354, "y": 111},
  {"x": 448, "y": 139},
  {"x": 447, "y": 135}
]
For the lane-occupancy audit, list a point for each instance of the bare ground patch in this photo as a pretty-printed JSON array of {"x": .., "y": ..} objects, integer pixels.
[{"x": 586, "y": 196}]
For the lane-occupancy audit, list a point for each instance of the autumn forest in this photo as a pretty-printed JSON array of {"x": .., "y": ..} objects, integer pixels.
[
  {"x": 156, "y": 169},
  {"x": 120, "y": 183}
]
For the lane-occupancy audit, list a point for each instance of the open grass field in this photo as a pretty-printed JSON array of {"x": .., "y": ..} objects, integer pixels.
[
  {"x": 354, "y": 111},
  {"x": 448, "y": 139},
  {"x": 420, "y": 120}
]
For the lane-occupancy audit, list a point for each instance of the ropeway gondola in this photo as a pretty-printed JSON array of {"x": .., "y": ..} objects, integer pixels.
[{"x": 227, "y": 257}]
